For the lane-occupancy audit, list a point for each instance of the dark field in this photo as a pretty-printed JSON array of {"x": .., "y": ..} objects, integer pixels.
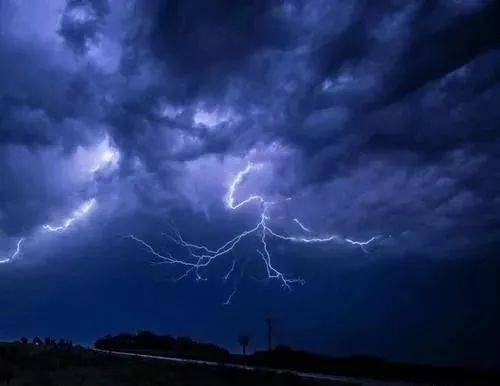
[
  {"x": 286, "y": 358},
  {"x": 25, "y": 364}
]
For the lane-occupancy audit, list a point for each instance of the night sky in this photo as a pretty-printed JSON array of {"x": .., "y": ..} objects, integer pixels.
[{"x": 361, "y": 139}]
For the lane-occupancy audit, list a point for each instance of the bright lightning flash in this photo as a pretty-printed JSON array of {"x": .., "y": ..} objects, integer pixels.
[
  {"x": 238, "y": 179},
  {"x": 302, "y": 226},
  {"x": 14, "y": 254},
  {"x": 80, "y": 212},
  {"x": 107, "y": 158},
  {"x": 201, "y": 256}
]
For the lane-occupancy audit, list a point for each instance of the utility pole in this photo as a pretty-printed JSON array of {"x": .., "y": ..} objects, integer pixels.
[{"x": 269, "y": 323}]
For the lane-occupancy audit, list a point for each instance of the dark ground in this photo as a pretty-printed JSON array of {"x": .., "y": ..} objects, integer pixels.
[
  {"x": 287, "y": 358},
  {"x": 26, "y": 364}
]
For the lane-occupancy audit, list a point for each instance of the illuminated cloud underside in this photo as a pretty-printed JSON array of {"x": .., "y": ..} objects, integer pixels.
[{"x": 109, "y": 157}]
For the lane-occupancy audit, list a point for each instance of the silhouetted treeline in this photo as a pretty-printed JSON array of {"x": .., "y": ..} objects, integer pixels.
[
  {"x": 48, "y": 342},
  {"x": 284, "y": 357},
  {"x": 147, "y": 342}
]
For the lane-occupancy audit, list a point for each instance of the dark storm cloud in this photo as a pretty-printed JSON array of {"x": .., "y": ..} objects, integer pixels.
[
  {"x": 435, "y": 50},
  {"x": 416, "y": 52},
  {"x": 381, "y": 84},
  {"x": 81, "y": 23},
  {"x": 409, "y": 86},
  {"x": 49, "y": 109},
  {"x": 203, "y": 42}
]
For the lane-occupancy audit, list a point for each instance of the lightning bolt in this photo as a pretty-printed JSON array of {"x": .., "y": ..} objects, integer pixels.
[
  {"x": 80, "y": 212},
  {"x": 231, "y": 270},
  {"x": 201, "y": 256},
  {"x": 109, "y": 157},
  {"x": 230, "y": 200},
  {"x": 302, "y": 226},
  {"x": 14, "y": 254},
  {"x": 230, "y": 297},
  {"x": 362, "y": 244}
]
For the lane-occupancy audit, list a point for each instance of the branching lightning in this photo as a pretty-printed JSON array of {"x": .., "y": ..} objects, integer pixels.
[
  {"x": 80, "y": 212},
  {"x": 302, "y": 226},
  {"x": 230, "y": 297},
  {"x": 231, "y": 270},
  {"x": 201, "y": 256},
  {"x": 362, "y": 244},
  {"x": 238, "y": 179},
  {"x": 15, "y": 254}
]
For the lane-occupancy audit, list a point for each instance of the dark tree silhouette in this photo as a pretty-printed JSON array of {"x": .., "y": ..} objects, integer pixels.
[
  {"x": 37, "y": 341},
  {"x": 24, "y": 340},
  {"x": 49, "y": 341},
  {"x": 243, "y": 340}
]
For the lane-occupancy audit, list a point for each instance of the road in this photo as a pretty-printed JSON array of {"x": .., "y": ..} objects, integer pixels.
[{"x": 334, "y": 378}]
